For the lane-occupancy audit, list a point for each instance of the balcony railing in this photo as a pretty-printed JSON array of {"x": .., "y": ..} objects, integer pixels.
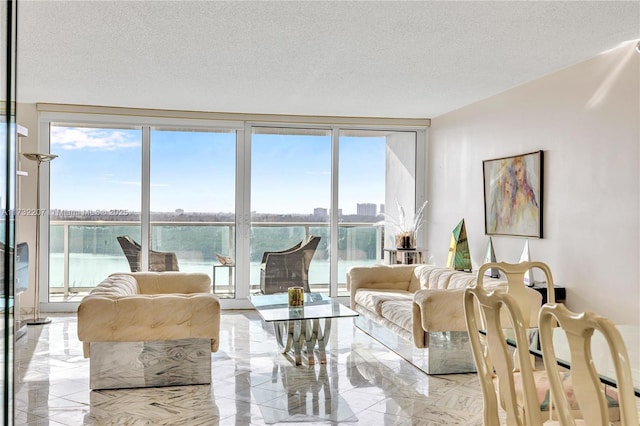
[{"x": 83, "y": 253}]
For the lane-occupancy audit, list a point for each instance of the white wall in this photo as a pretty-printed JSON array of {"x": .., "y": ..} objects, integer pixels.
[
  {"x": 27, "y": 116},
  {"x": 400, "y": 165},
  {"x": 586, "y": 120}
]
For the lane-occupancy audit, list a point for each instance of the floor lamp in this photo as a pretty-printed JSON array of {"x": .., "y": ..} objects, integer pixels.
[{"x": 39, "y": 159}]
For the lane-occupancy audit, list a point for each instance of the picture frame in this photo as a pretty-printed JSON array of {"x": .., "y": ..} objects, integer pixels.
[{"x": 513, "y": 195}]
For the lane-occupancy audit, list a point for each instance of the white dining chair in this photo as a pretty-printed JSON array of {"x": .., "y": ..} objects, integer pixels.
[
  {"x": 595, "y": 400},
  {"x": 508, "y": 376},
  {"x": 500, "y": 377}
]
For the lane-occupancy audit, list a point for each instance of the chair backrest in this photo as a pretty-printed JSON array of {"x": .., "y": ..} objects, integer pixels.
[
  {"x": 158, "y": 261},
  {"x": 283, "y": 269},
  {"x": 308, "y": 249},
  {"x": 518, "y": 290},
  {"x": 131, "y": 251},
  {"x": 287, "y": 250},
  {"x": 491, "y": 354},
  {"x": 588, "y": 391}
]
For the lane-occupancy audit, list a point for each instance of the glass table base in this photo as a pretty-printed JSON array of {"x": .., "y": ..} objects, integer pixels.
[{"x": 298, "y": 337}]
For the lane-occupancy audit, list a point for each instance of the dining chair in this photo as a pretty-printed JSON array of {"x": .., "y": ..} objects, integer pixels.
[
  {"x": 529, "y": 301},
  {"x": 159, "y": 261},
  {"x": 280, "y": 270},
  {"x": 501, "y": 378},
  {"x": 595, "y": 400},
  {"x": 516, "y": 287},
  {"x": 514, "y": 382}
]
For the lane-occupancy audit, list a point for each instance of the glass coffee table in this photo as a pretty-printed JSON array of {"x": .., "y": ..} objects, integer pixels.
[{"x": 299, "y": 330}]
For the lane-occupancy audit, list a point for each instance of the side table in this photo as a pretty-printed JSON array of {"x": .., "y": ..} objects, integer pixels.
[
  {"x": 405, "y": 257},
  {"x": 559, "y": 292},
  {"x": 213, "y": 277}
]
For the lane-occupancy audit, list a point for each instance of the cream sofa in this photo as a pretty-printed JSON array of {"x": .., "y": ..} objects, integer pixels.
[
  {"x": 143, "y": 320},
  {"x": 417, "y": 310}
]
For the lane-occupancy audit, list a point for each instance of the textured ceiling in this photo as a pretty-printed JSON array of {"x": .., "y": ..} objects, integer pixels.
[{"x": 370, "y": 59}]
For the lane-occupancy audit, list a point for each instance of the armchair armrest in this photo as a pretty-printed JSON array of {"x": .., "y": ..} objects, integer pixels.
[
  {"x": 162, "y": 261},
  {"x": 441, "y": 310},
  {"x": 387, "y": 277}
]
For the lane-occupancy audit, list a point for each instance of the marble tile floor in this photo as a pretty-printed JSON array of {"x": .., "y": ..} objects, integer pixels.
[{"x": 363, "y": 383}]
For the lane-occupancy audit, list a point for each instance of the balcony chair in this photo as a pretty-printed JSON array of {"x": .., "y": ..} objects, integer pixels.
[
  {"x": 158, "y": 261},
  {"x": 280, "y": 270},
  {"x": 590, "y": 395}
]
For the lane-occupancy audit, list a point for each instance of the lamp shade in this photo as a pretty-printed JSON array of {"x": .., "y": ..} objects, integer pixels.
[{"x": 39, "y": 157}]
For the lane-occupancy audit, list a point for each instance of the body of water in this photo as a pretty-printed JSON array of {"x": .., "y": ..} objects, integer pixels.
[{"x": 87, "y": 270}]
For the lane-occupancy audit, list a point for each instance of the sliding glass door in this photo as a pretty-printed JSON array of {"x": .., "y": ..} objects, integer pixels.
[
  {"x": 296, "y": 177},
  {"x": 376, "y": 168},
  {"x": 290, "y": 200},
  {"x": 95, "y": 193},
  {"x": 192, "y": 201}
]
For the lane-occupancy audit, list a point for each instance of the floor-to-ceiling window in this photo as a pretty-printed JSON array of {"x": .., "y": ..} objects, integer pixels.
[
  {"x": 376, "y": 168},
  {"x": 217, "y": 195},
  {"x": 95, "y": 190},
  {"x": 192, "y": 201},
  {"x": 291, "y": 197}
]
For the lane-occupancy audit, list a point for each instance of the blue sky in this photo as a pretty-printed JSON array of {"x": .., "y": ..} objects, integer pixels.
[{"x": 195, "y": 171}]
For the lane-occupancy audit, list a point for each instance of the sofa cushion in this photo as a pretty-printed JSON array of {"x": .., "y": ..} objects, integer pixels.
[
  {"x": 444, "y": 278},
  {"x": 374, "y": 299},
  {"x": 399, "y": 312},
  {"x": 116, "y": 285}
]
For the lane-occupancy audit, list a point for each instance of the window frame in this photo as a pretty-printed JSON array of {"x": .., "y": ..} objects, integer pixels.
[{"x": 242, "y": 124}]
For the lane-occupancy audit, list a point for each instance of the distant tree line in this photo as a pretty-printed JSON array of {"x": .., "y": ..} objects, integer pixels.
[{"x": 203, "y": 242}]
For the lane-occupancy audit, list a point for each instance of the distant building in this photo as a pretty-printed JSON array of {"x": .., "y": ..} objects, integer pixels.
[
  {"x": 321, "y": 212},
  {"x": 367, "y": 209},
  {"x": 324, "y": 213},
  {"x": 179, "y": 211},
  {"x": 381, "y": 208}
]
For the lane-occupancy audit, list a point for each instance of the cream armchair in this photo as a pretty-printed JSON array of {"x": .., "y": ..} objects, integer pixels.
[{"x": 164, "y": 322}]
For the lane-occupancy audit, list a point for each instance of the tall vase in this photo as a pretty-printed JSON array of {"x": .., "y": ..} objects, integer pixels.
[{"x": 405, "y": 241}]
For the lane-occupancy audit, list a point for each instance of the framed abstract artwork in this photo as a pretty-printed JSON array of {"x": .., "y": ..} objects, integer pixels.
[{"x": 513, "y": 195}]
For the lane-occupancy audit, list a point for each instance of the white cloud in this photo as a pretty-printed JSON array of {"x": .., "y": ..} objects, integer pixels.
[{"x": 98, "y": 139}]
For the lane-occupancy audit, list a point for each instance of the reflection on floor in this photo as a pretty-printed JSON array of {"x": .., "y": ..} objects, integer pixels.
[{"x": 252, "y": 384}]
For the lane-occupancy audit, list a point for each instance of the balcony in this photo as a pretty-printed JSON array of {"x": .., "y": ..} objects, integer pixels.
[{"x": 83, "y": 253}]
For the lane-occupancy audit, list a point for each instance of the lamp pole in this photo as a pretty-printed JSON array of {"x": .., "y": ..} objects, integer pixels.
[{"x": 39, "y": 159}]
